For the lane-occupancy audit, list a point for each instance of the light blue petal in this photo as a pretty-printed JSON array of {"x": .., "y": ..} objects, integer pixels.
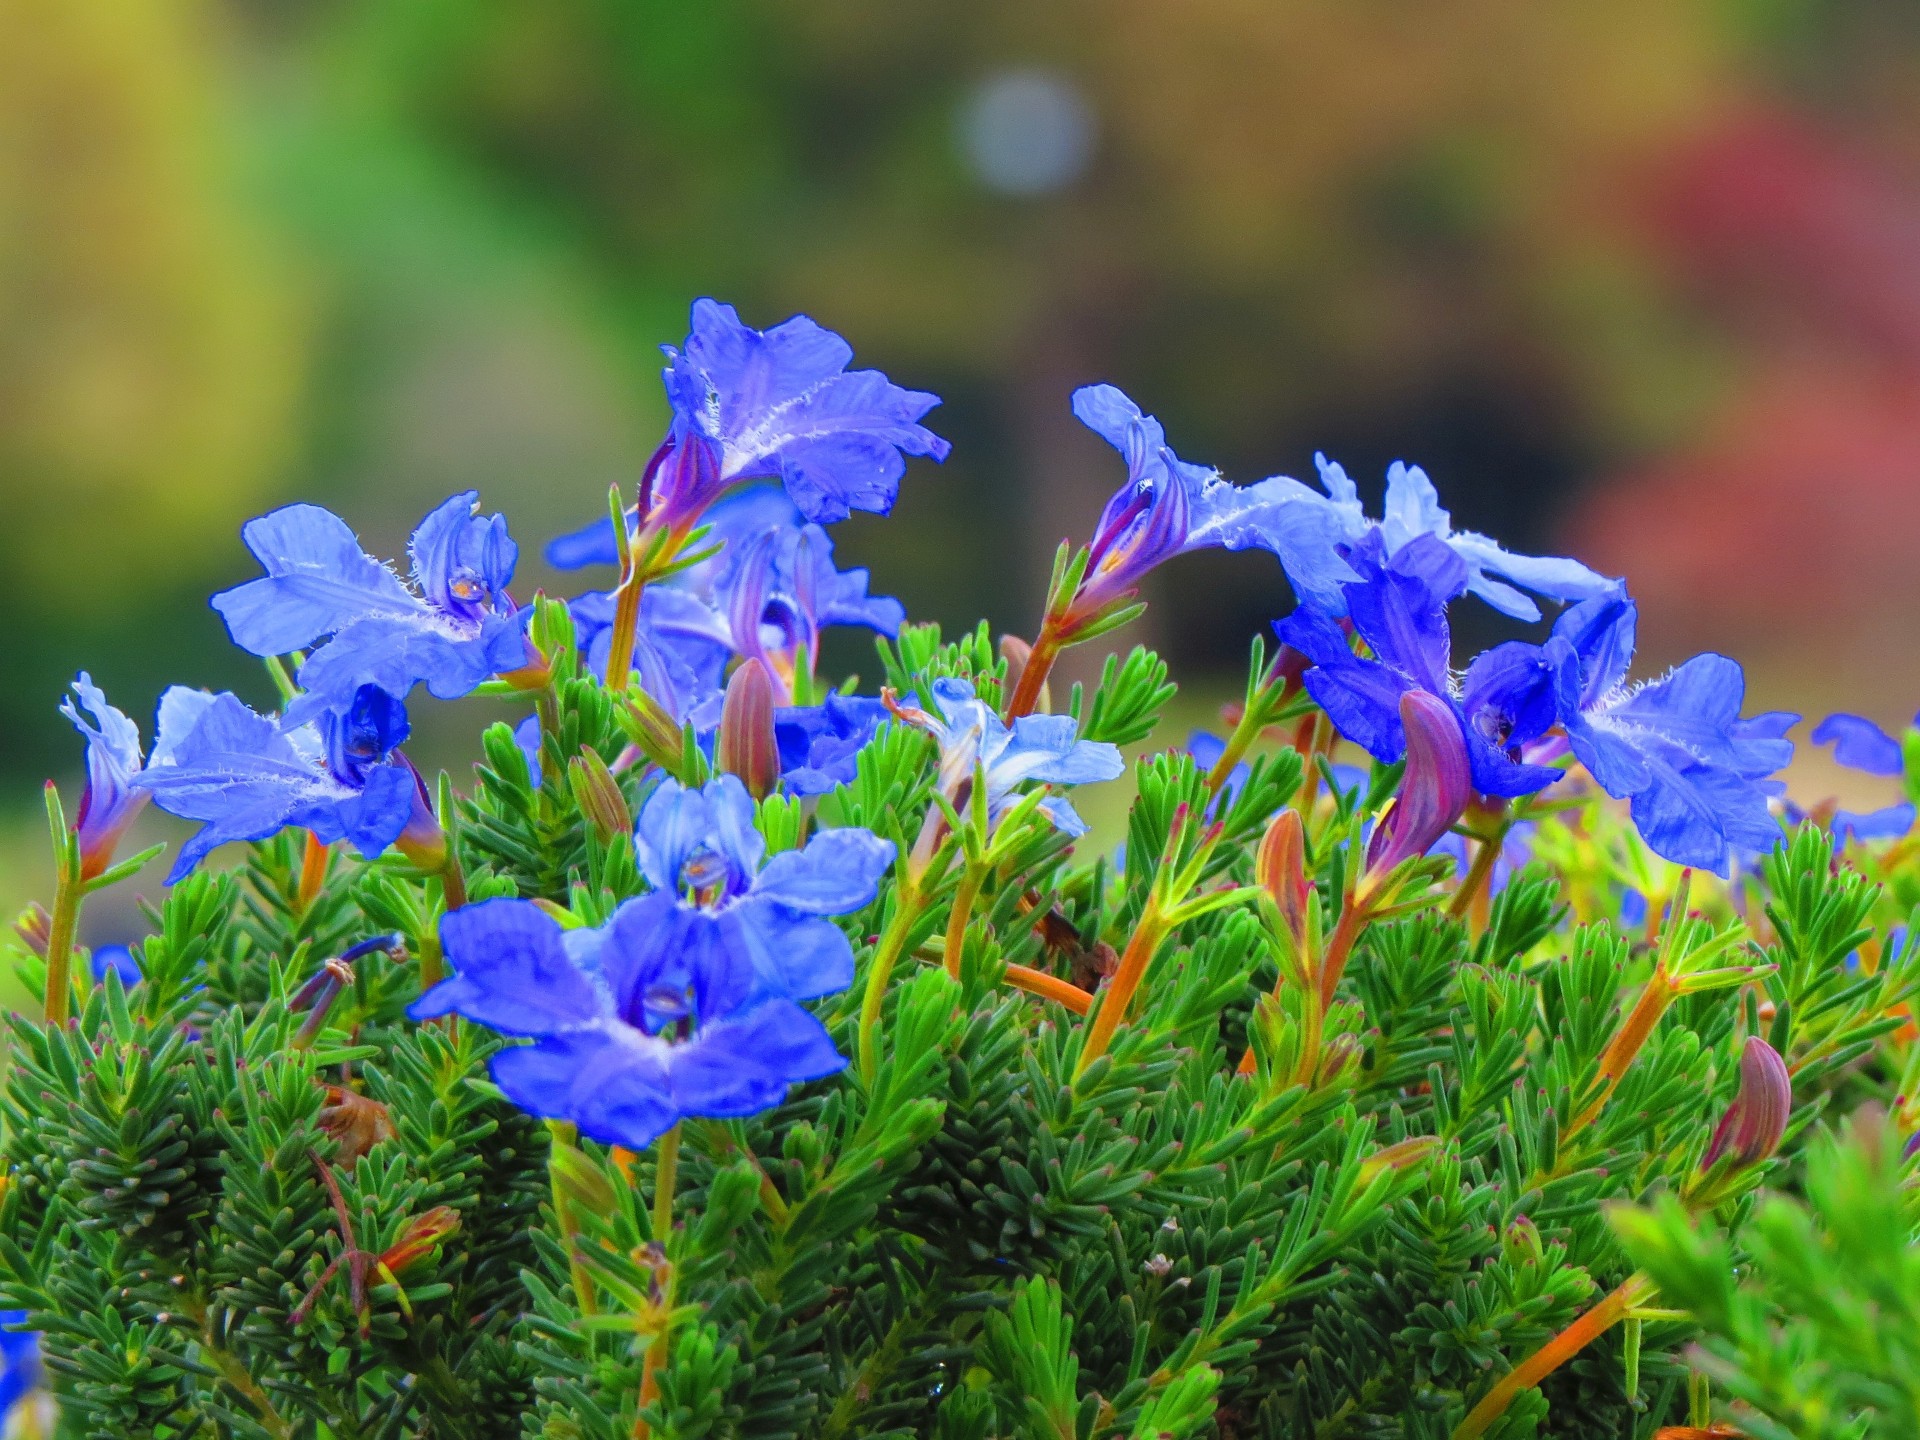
[
  {"x": 318, "y": 581},
  {"x": 837, "y": 872},
  {"x": 590, "y": 545},
  {"x": 780, "y": 403},
  {"x": 794, "y": 956},
  {"x": 1859, "y": 744},
  {"x": 511, "y": 972},
  {"x": 1888, "y": 823},
  {"x": 743, "y": 1066},
  {"x": 613, "y": 1086}
]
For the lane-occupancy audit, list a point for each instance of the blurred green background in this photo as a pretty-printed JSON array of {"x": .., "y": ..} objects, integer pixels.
[{"x": 1640, "y": 282}]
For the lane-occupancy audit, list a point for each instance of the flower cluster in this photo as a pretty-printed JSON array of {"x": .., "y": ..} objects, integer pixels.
[
  {"x": 685, "y": 1001},
  {"x": 739, "y": 1041}
]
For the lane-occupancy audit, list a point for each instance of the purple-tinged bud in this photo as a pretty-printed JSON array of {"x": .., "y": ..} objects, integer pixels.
[
  {"x": 598, "y": 795},
  {"x": 1750, "y": 1131},
  {"x": 1280, "y": 868},
  {"x": 1434, "y": 790},
  {"x": 681, "y": 481},
  {"x": 111, "y": 802},
  {"x": 34, "y": 926},
  {"x": 422, "y": 841},
  {"x": 1288, "y": 668},
  {"x": 1913, "y": 1147},
  {"x": 316, "y": 998},
  {"x": 747, "y": 746}
]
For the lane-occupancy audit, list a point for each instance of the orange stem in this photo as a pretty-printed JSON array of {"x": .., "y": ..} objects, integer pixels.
[
  {"x": 1635, "y": 1289},
  {"x": 958, "y": 917},
  {"x": 1049, "y": 987},
  {"x": 1033, "y": 676},
  {"x": 1472, "y": 895},
  {"x": 1353, "y": 919},
  {"x": 1126, "y": 980},
  {"x": 313, "y": 870}
]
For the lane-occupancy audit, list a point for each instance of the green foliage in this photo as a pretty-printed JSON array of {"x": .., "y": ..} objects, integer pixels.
[
  {"x": 1226, "y": 1209},
  {"x": 1811, "y": 1313}
]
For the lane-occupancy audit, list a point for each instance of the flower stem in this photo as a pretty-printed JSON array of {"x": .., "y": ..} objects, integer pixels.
[
  {"x": 1354, "y": 916},
  {"x": 961, "y": 913},
  {"x": 906, "y": 909},
  {"x": 1033, "y": 676},
  {"x": 1132, "y": 969},
  {"x": 1633, "y": 1291},
  {"x": 1049, "y": 987},
  {"x": 313, "y": 870},
  {"x": 453, "y": 882},
  {"x": 561, "y": 1141},
  {"x": 666, "y": 1176},
  {"x": 65, "y": 921},
  {"x": 1468, "y": 900}
]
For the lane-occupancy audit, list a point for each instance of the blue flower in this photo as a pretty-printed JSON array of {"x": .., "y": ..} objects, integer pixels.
[
  {"x": 119, "y": 960},
  {"x": 1038, "y": 749},
  {"x": 112, "y": 799},
  {"x": 1168, "y": 507},
  {"x": 780, "y": 403},
  {"x": 1413, "y": 510},
  {"x": 820, "y": 745},
  {"x": 453, "y": 629},
  {"x": 1859, "y": 744},
  {"x": 246, "y": 777},
  {"x": 684, "y": 1003},
  {"x": 782, "y": 590},
  {"x": 1399, "y": 608},
  {"x": 20, "y": 1371},
  {"x": 1677, "y": 748}
]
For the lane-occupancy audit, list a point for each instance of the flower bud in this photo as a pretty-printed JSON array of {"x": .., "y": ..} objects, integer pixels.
[
  {"x": 650, "y": 727},
  {"x": 422, "y": 841},
  {"x": 316, "y": 998},
  {"x": 1750, "y": 1131},
  {"x": 1288, "y": 666},
  {"x": 1280, "y": 867},
  {"x": 747, "y": 746},
  {"x": 598, "y": 795},
  {"x": 355, "y": 1123},
  {"x": 1433, "y": 791},
  {"x": 419, "y": 1238},
  {"x": 1401, "y": 1155},
  {"x": 34, "y": 926}
]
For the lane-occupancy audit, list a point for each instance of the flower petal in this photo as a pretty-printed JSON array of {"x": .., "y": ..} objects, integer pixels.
[
  {"x": 512, "y": 972},
  {"x": 318, "y": 581},
  {"x": 838, "y": 871}
]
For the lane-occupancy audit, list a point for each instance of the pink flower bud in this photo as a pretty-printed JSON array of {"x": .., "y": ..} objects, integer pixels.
[
  {"x": 1750, "y": 1131},
  {"x": 747, "y": 746},
  {"x": 1433, "y": 792},
  {"x": 598, "y": 795},
  {"x": 422, "y": 841},
  {"x": 1280, "y": 867}
]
